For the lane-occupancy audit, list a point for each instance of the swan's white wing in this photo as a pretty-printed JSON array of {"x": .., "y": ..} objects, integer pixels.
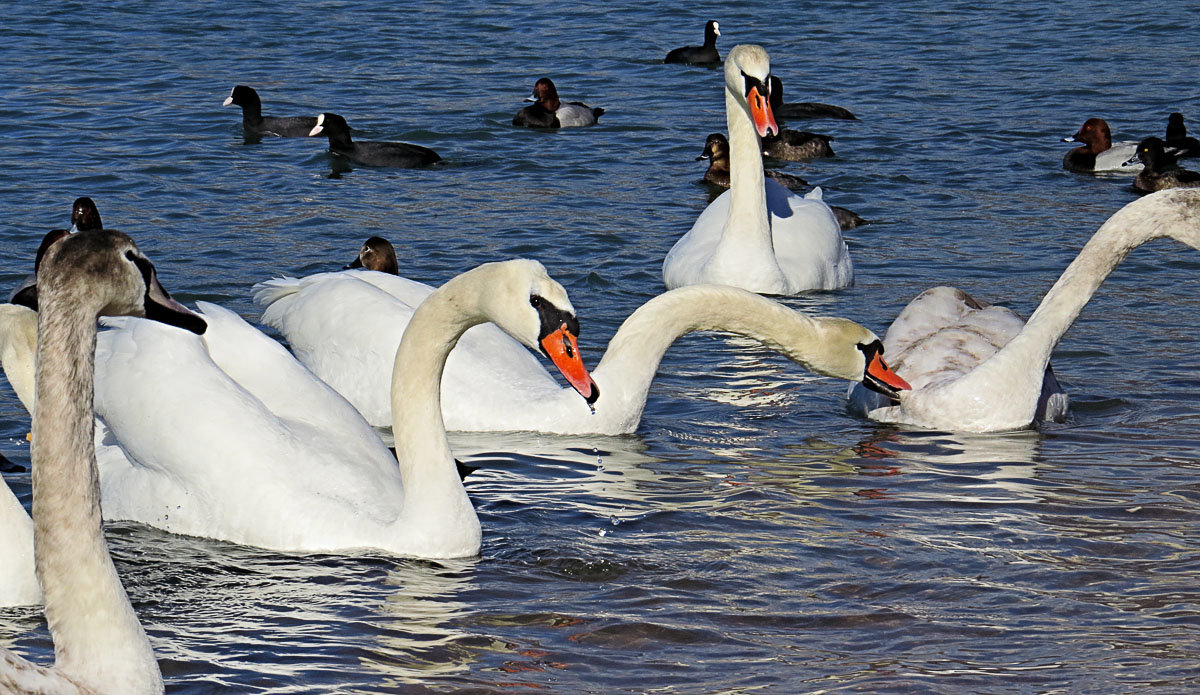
[
  {"x": 943, "y": 334},
  {"x": 686, "y": 260},
  {"x": 18, "y": 584},
  {"x": 346, "y": 327},
  {"x": 808, "y": 240},
  {"x": 20, "y": 676},
  {"x": 346, "y": 331},
  {"x": 206, "y": 457}
]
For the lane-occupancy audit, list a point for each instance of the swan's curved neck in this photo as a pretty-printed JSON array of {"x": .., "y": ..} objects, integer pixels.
[
  {"x": 18, "y": 344},
  {"x": 1028, "y": 353},
  {"x": 748, "y": 203},
  {"x": 97, "y": 637},
  {"x": 432, "y": 487},
  {"x": 631, "y": 361}
]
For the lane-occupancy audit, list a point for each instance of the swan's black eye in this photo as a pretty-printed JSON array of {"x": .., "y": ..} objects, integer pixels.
[{"x": 535, "y": 302}]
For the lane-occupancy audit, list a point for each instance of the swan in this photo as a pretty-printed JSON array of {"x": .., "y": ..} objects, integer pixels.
[
  {"x": 716, "y": 150},
  {"x": 99, "y": 645},
  {"x": 243, "y": 444},
  {"x": 758, "y": 235},
  {"x": 18, "y": 345},
  {"x": 972, "y": 381},
  {"x": 342, "y": 326}
]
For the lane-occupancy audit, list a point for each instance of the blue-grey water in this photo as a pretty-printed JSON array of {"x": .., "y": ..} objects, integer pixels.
[{"x": 751, "y": 537}]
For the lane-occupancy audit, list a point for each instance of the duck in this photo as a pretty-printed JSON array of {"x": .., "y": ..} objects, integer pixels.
[
  {"x": 549, "y": 112},
  {"x": 758, "y": 235},
  {"x": 1098, "y": 152},
  {"x": 85, "y": 217},
  {"x": 978, "y": 368},
  {"x": 797, "y": 145},
  {"x": 99, "y": 643},
  {"x": 376, "y": 254},
  {"x": 342, "y": 325},
  {"x": 1178, "y": 139},
  {"x": 699, "y": 55},
  {"x": 371, "y": 153},
  {"x": 254, "y": 123},
  {"x": 803, "y": 109},
  {"x": 716, "y": 151},
  {"x": 1159, "y": 168}
]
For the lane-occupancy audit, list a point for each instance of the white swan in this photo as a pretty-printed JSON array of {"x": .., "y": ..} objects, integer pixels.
[
  {"x": 99, "y": 644},
  {"x": 243, "y": 444},
  {"x": 758, "y": 235},
  {"x": 343, "y": 326},
  {"x": 967, "y": 380},
  {"x": 18, "y": 346}
]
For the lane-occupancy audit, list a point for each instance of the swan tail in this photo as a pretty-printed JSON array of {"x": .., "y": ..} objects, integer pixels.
[
  {"x": 271, "y": 291},
  {"x": 275, "y": 296}
]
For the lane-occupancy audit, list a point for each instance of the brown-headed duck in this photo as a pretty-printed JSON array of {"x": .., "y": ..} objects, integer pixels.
[
  {"x": 376, "y": 254},
  {"x": 549, "y": 112},
  {"x": 1098, "y": 153},
  {"x": 716, "y": 151}
]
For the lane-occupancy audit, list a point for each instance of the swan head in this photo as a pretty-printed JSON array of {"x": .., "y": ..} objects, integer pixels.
[
  {"x": 1174, "y": 212},
  {"x": 523, "y": 300},
  {"x": 854, "y": 353},
  {"x": 748, "y": 79},
  {"x": 107, "y": 266},
  {"x": 377, "y": 254}
]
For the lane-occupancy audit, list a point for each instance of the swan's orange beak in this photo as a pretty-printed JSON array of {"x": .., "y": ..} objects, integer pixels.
[
  {"x": 563, "y": 350},
  {"x": 760, "y": 112},
  {"x": 880, "y": 377}
]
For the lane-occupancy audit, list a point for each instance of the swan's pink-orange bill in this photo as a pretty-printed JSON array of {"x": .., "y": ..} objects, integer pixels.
[
  {"x": 760, "y": 112},
  {"x": 882, "y": 372},
  {"x": 563, "y": 350}
]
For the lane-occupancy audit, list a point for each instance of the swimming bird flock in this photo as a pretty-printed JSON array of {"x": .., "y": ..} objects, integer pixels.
[{"x": 197, "y": 422}]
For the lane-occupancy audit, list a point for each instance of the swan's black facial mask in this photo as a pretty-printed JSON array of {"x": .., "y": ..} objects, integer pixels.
[
  {"x": 877, "y": 375},
  {"x": 558, "y": 338},
  {"x": 158, "y": 303}
]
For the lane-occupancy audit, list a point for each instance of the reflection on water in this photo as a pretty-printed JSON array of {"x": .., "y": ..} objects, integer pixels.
[{"x": 750, "y": 537}]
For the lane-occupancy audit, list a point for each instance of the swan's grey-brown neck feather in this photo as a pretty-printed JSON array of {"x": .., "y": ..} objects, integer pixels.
[{"x": 98, "y": 642}]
